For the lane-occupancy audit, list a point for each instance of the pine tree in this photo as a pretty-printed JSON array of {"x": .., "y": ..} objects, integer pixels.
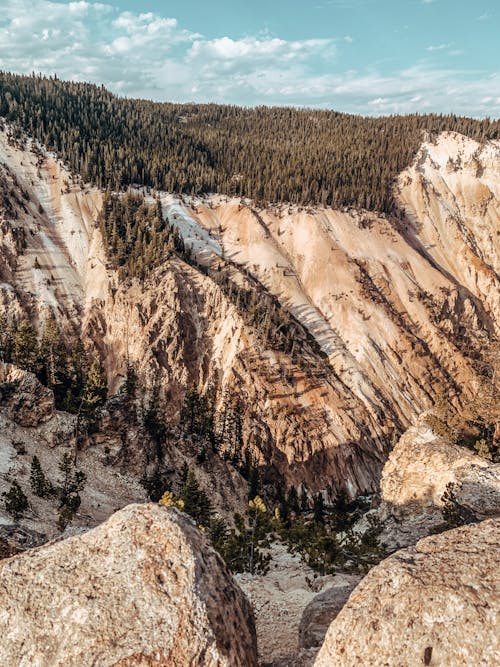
[
  {"x": 153, "y": 420},
  {"x": 218, "y": 534},
  {"x": 25, "y": 352},
  {"x": 93, "y": 398},
  {"x": 319, "y": 508},
  {"x": 243, "y": 547},
  {"x": 131, "y": 382},
  {"x": 16, "y": 502},
  {"x": 196, "y": 502},
  {"x": 53, "y": 358},
  {"x": 73, "y": 482},
  {"x": 40, "y": 485}
]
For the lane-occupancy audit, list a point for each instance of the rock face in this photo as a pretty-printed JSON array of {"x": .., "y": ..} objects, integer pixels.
[
  {"x": 437, "y": 603},
  {"x": 415, "y": 477},
  {"x": 23, "y": 398},
  {"x": 144, "y": 588},
  {"x": 399, "y": 308}
]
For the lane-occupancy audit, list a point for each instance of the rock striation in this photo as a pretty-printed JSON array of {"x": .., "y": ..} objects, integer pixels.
[
  {"x": 437, "y": 603},
  {"x": 144, "y": 588},
  {"x": 398, "y": 308}
]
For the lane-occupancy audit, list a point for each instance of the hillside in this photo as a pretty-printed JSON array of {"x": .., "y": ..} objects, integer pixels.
[
  {"x": 312, "y": 383},
  {"x": 385, "y": 318},
  {"x": 266, "y": 154}
]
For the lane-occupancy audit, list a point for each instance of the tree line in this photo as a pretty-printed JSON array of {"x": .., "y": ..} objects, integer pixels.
[{"x": 268, "y": 154}]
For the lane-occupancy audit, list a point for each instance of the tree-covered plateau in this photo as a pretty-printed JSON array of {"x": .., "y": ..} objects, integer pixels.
[{"x": 268, "y": 154}]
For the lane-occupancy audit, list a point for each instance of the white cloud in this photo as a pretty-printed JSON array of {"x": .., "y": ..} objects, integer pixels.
[
  {"x": 439, "y": 47},
  {"x": 147, "y": 55}
]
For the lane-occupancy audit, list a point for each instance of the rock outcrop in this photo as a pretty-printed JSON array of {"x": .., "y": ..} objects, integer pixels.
[
  {"x": 23, "y": 398},
  {"x": 437, "y": 603},
  {"x": 144, "y": 588},
  {"x": 416, "y": 476}
]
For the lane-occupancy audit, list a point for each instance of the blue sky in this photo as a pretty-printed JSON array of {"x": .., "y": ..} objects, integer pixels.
[{"x": 362, "y": 56}]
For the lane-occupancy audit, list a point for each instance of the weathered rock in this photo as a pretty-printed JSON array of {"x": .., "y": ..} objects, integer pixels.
[
  {"x": 437, "y": 603},
  {"x": 319, "y": 613},
  {"x": 144, "y": 588},
  {"x": 23, "y": 397},
  {"x": 415, "y": 477}
]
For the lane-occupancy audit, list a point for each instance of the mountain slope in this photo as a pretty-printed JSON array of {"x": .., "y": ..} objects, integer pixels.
[{"x": 399, "y": 307}]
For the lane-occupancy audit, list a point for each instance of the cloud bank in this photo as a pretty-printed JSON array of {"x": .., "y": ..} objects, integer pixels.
[{"x": 147, "y": 55}]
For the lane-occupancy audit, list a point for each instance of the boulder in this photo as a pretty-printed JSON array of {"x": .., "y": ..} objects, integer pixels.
[
  {"x": 144, "y": 588},
  {"x": 437, "y": 603},
  {"x": 319, "y": 613},
  {"x": 415, "y": 477},
  {"x": 23, "y": 397}
]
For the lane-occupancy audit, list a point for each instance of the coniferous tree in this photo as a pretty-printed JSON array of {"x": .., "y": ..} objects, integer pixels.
[
  {"x": 72, "y": 483},
  {"x": 16, "y": 502},
  {"x": 153, "y": 420},
  {"x": 25, "y": 351},
  {"x": 196, "y": 502},
  {"x": 93, "y": 398},
  {"x": 40, "y": 485}
]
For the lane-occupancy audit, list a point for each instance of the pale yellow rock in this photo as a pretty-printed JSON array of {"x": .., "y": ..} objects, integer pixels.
[
  {"x": 400, "y": 307},
  {"x": 144, "y": 588},
  {"x": 415, "y": 478},
  {"x": 437, "y": 603}
]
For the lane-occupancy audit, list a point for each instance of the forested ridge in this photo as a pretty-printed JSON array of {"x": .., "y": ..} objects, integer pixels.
[{"x": 269, "y": 154}]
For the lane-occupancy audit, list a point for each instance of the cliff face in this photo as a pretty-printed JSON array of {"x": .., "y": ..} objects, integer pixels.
[{"x": 399, "y": 308}]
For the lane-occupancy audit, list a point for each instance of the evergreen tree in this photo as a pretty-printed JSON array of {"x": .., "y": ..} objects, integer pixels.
[
  {"x": 196, "y": 502},
  {"x": 93, "y": 398},
  {"x": 40, "y": 485},
  {"x": 319, "y": 508},
  {"x": 16, "y": 502},
  {"x": 25, "y": 352},
  {"x": 53, "y": 359},
  {"x": 153, "y": 419},
  {"x": 243, "y": 548},
  {"x": 72, "y": 483},
  {"x": 218, "y": 533},
  {"x": 131, "y": 382}
]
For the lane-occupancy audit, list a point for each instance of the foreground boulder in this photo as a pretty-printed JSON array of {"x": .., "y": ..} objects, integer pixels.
[
  {"x": 144, "y": 588},
  {"x": 437, "y": 603},
  {"x": 416, "y": 476}
]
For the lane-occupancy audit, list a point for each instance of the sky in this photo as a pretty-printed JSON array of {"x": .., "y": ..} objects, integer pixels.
[{"x": 371, "y": 57}]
